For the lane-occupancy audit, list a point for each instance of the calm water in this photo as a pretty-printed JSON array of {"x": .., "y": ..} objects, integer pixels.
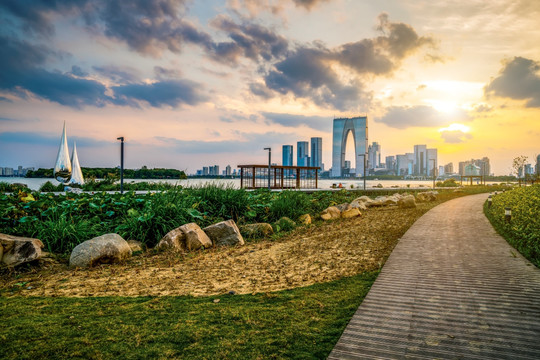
[{"x": 35, "y": 183}]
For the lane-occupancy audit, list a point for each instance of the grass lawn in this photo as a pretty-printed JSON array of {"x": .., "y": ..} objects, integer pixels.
[{"x": 303, "y": 323}]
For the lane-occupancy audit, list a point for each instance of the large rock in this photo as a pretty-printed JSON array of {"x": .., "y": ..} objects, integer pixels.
[
  {"x": 407, "y": 201},
  {"x": 104, "y": 249},
  {"x": 15, "y": 250},
  {"x": 225, "y": 233},
  {"x": 350, "y": 213},
  {"x": 344, "y": 206},
  {"x": 360, "y": 205},
  {"x": 186, "y": 237},
  {"x": 257, "y": 230},
  {"x": 427, "y": 196},
  {"x": 330, "y": 213},
  {"x": 136, "y": 246}
]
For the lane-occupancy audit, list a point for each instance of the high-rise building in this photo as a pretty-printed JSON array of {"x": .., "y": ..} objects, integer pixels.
[
  {"x": 374, "y": 155},
  {"x": 228, "y": 170},
  {"x": 483, "y": 164},
  {"x": 538, "y": 165},
  {"x": 402, "y": 165},
  {"x": 216, "y": 169},
  {"x": 287, "y": 155},
  {"x": 341, "y": 129},
  {"x": 420, "y": 160},
  {"x": 302, "y": 153},
  {"x": 390, "y": 162},
  {"x": 205, "y": 171},
  {"x": 441, "y": 170},
  {"x": 316, "y": 152},
  {"x": 449, "y": 168},
  {"x": 432, "y": 165}
]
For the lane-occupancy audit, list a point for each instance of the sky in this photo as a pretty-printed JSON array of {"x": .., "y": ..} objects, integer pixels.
[{"x": 197, "y": 83}]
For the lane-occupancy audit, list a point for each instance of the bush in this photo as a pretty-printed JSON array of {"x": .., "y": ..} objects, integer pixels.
[
  {"x": 447, "y": 183},
  {"x": 50, "y": 187},
  {"x": 523, "y": 232}
]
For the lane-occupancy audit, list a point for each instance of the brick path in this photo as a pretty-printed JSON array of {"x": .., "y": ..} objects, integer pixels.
[{"x": 451, "y": 289}]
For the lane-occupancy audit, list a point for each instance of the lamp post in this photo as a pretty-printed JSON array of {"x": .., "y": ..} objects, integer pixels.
[
  {"x": 364, "y": 159},
  {"x": 433, "y": 170},
  {"x": 269, "y": 164},
  {"x": 121, "y": 138},
  {"x": 507, "y": 214}
]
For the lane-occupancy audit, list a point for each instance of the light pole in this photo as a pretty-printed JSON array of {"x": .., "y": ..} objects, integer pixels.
[
  {"x": 121, "y": 138},
  {"x": 433, "y": 170},
  {"x": 269, "y": 164},
  {"x": 364, "y": 160}
]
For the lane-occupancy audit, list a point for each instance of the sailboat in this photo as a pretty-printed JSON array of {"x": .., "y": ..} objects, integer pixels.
[
  {"x": 76, "y": 174},
  {"x": 62, "y": 167}
]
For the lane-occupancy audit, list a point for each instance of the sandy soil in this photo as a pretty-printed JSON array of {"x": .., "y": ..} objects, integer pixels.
[{"x": 308, "y": 255}]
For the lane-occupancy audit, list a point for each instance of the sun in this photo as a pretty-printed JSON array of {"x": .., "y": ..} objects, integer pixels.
[{"x": 456, "y": 127}]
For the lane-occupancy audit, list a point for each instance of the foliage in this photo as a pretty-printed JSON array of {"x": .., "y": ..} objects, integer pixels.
[
  {"x": 7, "y": 187},
  {"x": 447, "y": 183},
  {"x": 303, "y": 323},
  {"x": 518, "y": 165},
  {"x": 523, "y": 232},
  {"x": 102, "y": 173}
]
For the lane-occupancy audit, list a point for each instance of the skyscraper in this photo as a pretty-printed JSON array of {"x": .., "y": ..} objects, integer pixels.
[
  {"x": 302, "y": 153},
  {"x": 374, "y": 155},
  {"x": 341, "y": 128},
  {"x": 432, "y": 165},
  {"x": 316, "y": 152},
  {"x": 538, "y": 165},
  {"x": 287, "y": 155},
  {"x": 390, "y": 163},
  {"x": 420, "y": 160}
]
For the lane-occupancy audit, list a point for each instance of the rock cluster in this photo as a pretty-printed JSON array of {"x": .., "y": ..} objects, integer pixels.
[
  {"x": 104, "y": 249},
  {"x": 363, "y": 202}
]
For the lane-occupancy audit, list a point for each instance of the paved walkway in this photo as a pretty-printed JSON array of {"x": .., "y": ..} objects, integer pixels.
[{"x": 451, "y": 289}]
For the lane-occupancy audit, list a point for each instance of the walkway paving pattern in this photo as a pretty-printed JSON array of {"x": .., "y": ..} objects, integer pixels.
[{"x": 451, "y": 289}]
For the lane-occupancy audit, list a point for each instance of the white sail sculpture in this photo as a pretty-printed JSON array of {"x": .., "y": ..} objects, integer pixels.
[
  {"x": 76, "y": 174},
  {"x": 62, "y": 167}
]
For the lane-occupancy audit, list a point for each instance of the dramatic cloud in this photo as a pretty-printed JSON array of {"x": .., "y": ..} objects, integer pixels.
[
  {"x": 22, "y": 73},
  {"x": 519, "y": 79},
  {"x": 164, "y": 93},
  {"x": 146, "y": 26},
  {"x": 455, "y": 136},
  {"x": 314, "y": 122},
  {"x": 118, "y": 74},
  {"x": 402, "y": 117},
  {"x": 251, "y": 41},
  {"x": 253, "y": 7},
  {"x": 39, "y": 138},
  {"x": 309, "y": 71}
]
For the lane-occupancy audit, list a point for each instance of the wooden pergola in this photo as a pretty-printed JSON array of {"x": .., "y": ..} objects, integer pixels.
[{"x": 281, "y": 177}]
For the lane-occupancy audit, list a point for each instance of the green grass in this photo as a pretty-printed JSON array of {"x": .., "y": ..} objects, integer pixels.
[
  {"x": 523, "y": 232},
  {"x": 303, "y": 323}
]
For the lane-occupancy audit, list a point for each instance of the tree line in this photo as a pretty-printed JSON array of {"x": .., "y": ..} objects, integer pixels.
[{"x": 114, "y": 173}]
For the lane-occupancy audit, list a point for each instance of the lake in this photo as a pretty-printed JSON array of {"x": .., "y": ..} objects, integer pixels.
[{"x": 35, "y": 183}]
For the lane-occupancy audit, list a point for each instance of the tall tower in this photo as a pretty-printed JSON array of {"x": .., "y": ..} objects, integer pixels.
[
  {"x": 316, "y": 152},
  {"x": 420, "y": 160},
  {"x": 287, "y": 155},
  {"x": 302, "y": 153},
  {"x": 358, "y": 127}
]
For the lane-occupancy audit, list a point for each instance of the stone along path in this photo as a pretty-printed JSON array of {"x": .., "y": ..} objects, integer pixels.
[{"x": 451, "y": 289}]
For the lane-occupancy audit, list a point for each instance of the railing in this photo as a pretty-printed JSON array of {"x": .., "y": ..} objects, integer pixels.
[{"x": 281, "y": 177}]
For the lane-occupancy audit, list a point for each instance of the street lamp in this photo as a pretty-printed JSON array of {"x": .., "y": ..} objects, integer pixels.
[
  {"x": 121, "y": 138},
  {"x": 269, "y": 164},
  {"x": 364, "y": 159},
  {"x": 433, "y": 170}
]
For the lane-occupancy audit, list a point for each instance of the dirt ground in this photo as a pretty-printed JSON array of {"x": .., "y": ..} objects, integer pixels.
[{"x": 310, "y": 254}]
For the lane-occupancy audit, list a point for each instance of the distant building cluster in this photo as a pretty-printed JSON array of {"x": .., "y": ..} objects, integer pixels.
[
  {"x": 214, "y": 171},
  {"x": 19, "y": 172},
  {"x": 303, "y": 155},
  {"x": 484, "y": 168},
  {"x": 421, "y": 162}
]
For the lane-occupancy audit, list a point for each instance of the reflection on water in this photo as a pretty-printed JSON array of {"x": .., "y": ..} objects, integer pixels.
[{"x": 35, "y": 183}]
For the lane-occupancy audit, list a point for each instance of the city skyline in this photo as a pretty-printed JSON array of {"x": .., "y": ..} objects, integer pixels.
[{"x": 190, "y": 83}]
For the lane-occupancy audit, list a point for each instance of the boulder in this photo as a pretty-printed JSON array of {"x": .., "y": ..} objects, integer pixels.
[
  {"x": 344, "y": 206},
  {"x": 360, "y": 205},
  {"x": 257, "y": 229},
  {"x": 378, "y": 201},
  {"x": 407, "y": 201},
  {"x": 225, "y": 233},
  {"x": 186, "y": 237},
  {"x": 135, "y": 245},
  {"x": 305, "y": 219},
  {"x": 331, "y": 212},
  {"x": 104, "y": 249},
  {"x": 350, "y": 213},
  {"x": 391, "y": 200},
  {"x": 426, "y": 196},
  {"x": 15, "y": 250}
]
